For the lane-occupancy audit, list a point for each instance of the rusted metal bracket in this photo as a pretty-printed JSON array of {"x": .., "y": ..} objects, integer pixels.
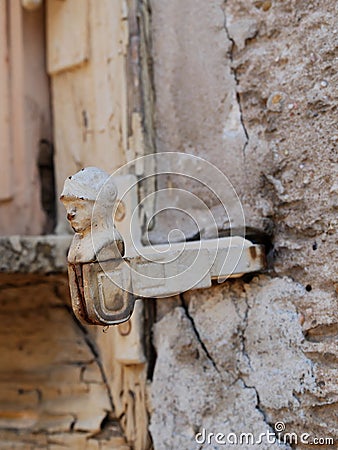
[{"x": 108, "y": 265}]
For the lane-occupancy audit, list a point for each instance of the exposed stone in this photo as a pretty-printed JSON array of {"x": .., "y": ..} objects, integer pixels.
[
  {"x": 52, "y": 388},
  {"x": 31, "y": 254},
  {"x": 190, "y": 394},
  {"x": 273, "y": 343}
]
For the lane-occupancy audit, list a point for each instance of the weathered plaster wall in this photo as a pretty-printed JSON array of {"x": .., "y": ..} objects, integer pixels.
[{"x": 251, "y": 86}]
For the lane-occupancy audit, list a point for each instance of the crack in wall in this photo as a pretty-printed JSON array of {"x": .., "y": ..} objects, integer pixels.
[
  {"x": 198, "y": 336},
  {"x": 243, "y": 349},
  {"x": 262, "y": 412},
  {"x": 235, "y": 76},
  {"x": 242, "y": 336},
  {"x": 242, "y": 330},
  {"x": 92, "y": 347},
  {"x": 73, "y": 423}
]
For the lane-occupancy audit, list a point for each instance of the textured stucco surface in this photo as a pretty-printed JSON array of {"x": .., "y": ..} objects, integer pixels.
[
  {"x": 252, "y": 87},
  {"x": 34, "y": 254}
]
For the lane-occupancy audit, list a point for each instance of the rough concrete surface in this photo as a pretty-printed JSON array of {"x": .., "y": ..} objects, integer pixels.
[
  {"x": 252, "y": 87},
  {"x": 34, "y": 254}
]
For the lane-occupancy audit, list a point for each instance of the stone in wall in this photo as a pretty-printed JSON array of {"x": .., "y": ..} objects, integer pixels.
[{"x": 234, "y": 359}]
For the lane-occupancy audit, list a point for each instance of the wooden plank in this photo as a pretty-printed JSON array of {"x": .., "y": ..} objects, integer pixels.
[
  {"x": 90, "y": 104},
  {"x": 5, "y": 154},
  {"x": 17, "y": 99},
  {"x": 24, "y": 117},
  {"x": 67, "y": 34}
]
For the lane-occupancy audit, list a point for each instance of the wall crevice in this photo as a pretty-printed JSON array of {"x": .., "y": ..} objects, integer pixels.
[
  {"x": 236, "y": 79},
  {"x": 92, "y": 347},
  {"x": 197, "y": 334},
  {"x": 242, "y": 331}
]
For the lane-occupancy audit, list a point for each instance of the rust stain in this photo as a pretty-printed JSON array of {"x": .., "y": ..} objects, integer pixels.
[
  {"x": 253, "y": 252},
  {"x": 257, "y": 254}
]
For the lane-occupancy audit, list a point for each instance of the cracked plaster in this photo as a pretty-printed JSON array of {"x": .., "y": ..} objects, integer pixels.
[{"x": 250, "y": 87}]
